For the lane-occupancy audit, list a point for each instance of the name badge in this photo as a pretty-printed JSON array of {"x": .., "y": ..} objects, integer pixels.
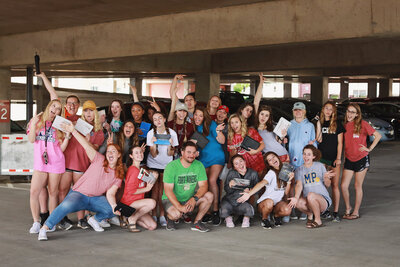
[
  {"x": 356, "y": 136},
  {"x": 186, "y": 187}
]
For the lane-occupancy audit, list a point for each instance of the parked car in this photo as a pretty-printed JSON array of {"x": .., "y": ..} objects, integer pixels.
[
  {"x": 233, "y": 100},
  {"x": 387, "y": 111}
]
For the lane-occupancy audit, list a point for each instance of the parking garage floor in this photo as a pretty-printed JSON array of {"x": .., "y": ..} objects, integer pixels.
[{"x": 372, "y": 240}]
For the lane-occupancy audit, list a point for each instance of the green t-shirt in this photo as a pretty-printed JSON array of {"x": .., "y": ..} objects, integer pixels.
[{"x": 184, "y": 179}]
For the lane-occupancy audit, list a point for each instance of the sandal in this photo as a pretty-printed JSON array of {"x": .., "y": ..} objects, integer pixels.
[
  {"x": 132, "y": 228},
  {"x": 314, "y": 225},
  {"x": 123, "y": 222},
  {"x": 309, "y": 223},
  {"x": 353, "y": 217}
]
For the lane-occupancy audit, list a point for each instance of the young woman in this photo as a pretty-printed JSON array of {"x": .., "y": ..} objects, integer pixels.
[
  {"x": 247, "y": 112},
  {"x": 311, "y": 196},
  {"x": 77, "y": 161},
  {"x": 230, "y": 204},
  {"x": 276, "y": 192},
  {"x": 159, "y": 157},
  {"x": 212, "y": 106},
  {"x": 115, "y": 116},
  {"x": 212, "y": 156},
  {"x": 49, "y": 161},
  {"x": 265, "y": 129},
  {"x": 356, "y": 157},
  {"x": 104, "y": 176},
  {"x": 134, "y": 194},
  {"x": 237, "y": 130},
  {"x": 126, "y": 139},
  {"x": 330, "y": 139}
]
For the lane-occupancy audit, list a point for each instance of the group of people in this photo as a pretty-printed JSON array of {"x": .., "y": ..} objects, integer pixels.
[{"x": 192, "y": 164}]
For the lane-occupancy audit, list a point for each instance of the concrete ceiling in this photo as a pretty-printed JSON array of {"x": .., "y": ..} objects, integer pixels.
[{"x": 39, "y": 15}]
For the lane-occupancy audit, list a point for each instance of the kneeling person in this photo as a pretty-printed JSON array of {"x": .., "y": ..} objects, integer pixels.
[{"x": 181, "y": 177}]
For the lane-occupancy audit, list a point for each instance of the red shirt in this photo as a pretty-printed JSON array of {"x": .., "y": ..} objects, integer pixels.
[
  {"x": 178, "y": 128},
  {"x": 353, "y": 141},
  {"x": 255, "y": 162},
  {"x": 132, "y": 184}
]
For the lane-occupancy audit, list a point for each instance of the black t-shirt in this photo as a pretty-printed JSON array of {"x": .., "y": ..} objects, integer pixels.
[{"x": 329, "y": 143}]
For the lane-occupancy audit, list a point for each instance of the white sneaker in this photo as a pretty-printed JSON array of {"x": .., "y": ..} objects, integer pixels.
[
  {"x": 229, "y": 222},
  {"x": 95, "y": 225},
  {"x": 35, "y": 228},
  {"x": 246, "y": 222},
  {"x": 51, "y": 230},
  {"x": 115, "y": 221},
  {"x": 104, "y": 224},
  {"x": 163, "y": 221},
  {"x": 42, "y": 235}
]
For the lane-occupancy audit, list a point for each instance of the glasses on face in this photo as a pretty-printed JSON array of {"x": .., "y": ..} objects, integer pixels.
[{"x": 351, "y": 112}]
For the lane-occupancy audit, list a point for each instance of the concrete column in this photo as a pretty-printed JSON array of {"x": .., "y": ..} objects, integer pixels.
[
  {"x": 287, "y": 88},
  {"x": 319, "y": 90},
  {"x": 207, "y": 85},
  {"x": 138, "y": 83},
  {"x": 385, "y": 87},
  {"x": 372, "y": 88},
  {"x": 5, "y": 85},
  {"x": 344, "y": 89},
  {"x": 253, "y": 87}
]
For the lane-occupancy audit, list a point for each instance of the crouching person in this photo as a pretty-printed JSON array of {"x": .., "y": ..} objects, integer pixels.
[
  {"x": 181, "y": 177},
  {"x": 104, "y": 175}
]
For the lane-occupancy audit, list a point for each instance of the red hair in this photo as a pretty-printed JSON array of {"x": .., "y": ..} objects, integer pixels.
[{"x": 119, "y": 168}]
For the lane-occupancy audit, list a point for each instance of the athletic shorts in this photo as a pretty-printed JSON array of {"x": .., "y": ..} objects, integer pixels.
[
  {"x": 167, "y": 204},
  {"x": 71, "y": 170},
  {"x": 357, "y": 166}
]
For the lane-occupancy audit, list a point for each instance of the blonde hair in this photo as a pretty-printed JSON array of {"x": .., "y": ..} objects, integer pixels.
[
  {"x": 96, "y": 124},
  {"x": 357, "y": 120},
  {"x": 45, "y": 116},
  {"x": 333, "y": 120},
  {"x": 243, "y": 127}
]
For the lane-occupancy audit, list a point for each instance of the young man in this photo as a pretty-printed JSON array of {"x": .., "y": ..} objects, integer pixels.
[{"x": 181, "y": 177}]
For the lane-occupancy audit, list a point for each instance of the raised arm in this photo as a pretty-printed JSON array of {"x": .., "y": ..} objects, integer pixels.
[
  {"x": 257, "y": 97},
  {"x": 90, "y": 151},
  {"x": 174, "y": 98},
  {"x": 134, "y": 93},
  {"x": 49, "y": 87}
]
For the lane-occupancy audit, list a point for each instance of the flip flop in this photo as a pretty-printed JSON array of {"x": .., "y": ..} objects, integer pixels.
[
  {"x": 132, "y": 228},
  {"x": 314, "y": 225},
  {"x": 353, "y": 217}
]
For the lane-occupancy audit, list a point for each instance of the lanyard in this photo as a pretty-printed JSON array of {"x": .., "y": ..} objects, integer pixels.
[{"x": 46, "y": 132}]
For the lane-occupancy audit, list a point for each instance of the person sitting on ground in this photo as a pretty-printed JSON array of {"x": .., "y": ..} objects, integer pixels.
[
  {"x": 233, "y": 189},
  {"x": 181, "y": 178},
  {"x": 311, "y": 196},
  {"x": 104, "y": 176}
]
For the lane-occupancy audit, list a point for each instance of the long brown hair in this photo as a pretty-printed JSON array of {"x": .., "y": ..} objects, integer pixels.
[
  {"x": 208, "y": 103},
  {"x": 119, "y": 168},
  {"x": 109, "y": 113},
  {"x": 333, "y": 119},
  {"x": 251, "y": 120},
  {"x": 206, "y": 120},
  {"x": 175, "y": 128},
  {"x": 269, "y": 126},
  {"x": 357, "y": 120},
  {"x": 269, "y": 167},
  {"x": 243, "y": 127},
  {"x": 134, "y": 137}
]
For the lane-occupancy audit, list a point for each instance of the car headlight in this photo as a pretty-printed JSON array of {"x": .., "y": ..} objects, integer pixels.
[{"x": 376, "y": 127}]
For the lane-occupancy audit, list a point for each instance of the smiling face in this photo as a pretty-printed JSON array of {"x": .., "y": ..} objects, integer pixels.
[
  {"x": 129, "y": 129},
  {"x": 215, "y": 102},
  {"x": 327, "y": 110},
  {"x": 137, "y": 113},
  {"x": 112, "y": 156},
  {"x": 273, "y": 161},
  {"x": 158, "y": 120},
  {"x": 239, "y": 165},
  {"x": 137, "y": 154},
  {"x": 351, "y": 113},
  {"x": 247, "y": 111},
  {"x": 308, "y": 156},
  {"x": 89, "y": 115},
  {"x": 235, "y": 124},
  {"x": 189, "y": 154},
  {"x": 221, "y": 116},
  {"x": 263, "y": 117},
  {"x": 116, "y": 109},
  {"x": 55, "y": 109},
  {"x": 299, "y": 114},
  {"x": 181, "y": 114},
  {"x": 198, "y": 117},
  {"x": 72, "y": 105}
]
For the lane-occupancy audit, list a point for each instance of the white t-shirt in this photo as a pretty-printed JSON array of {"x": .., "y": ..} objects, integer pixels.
[
  {"x": 271, "y": 189},
  {"x": 162, "y": 159}
]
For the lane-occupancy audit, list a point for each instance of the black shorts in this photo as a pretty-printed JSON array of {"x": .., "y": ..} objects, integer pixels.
[{"x": 357, "y": 166}]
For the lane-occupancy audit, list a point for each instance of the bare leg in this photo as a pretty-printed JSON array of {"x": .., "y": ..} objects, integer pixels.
[
  {"x": 65, "y": 185},
  {"x": 302, "y": 206},
  {"x": 53, "y": 184},
  {"x": 335, "y": 189},
  {"x": 204, "y": 204},
  {"x": 316, "y": 204},
  {"x": 43, "y": 200},
  {"x": 154, "y": 194},
  {"x": 282, "y": 209},
  {"x": 346, "y": 179},
  {"x": 212, "y": 174},
  {"x": 358, "y": 183},
  {"x": 147, "y": 222},
  {"x": 142, "y": 206},
  {"x": 159, "y": 196},
  {"x": 39, "y": 181},
  {"x": 265, "y": 208}
]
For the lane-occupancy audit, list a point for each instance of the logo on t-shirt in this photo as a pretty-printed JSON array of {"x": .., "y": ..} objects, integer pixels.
[
  {"x": 311, "y": 178},
  {"x": 325, "y": 130}
]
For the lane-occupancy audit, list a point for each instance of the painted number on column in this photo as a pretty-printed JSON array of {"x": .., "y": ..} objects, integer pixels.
[{"x": 4, "y": 111}]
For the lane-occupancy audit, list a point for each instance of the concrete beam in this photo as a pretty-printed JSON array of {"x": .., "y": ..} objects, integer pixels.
[
  {"x": 372, "y": 88},
  {"x": 385, "y": 87},
  {"x": 344, "y": 89},
  {"x": 319, "y": 90},
  {"x": 252, "y": 25}
]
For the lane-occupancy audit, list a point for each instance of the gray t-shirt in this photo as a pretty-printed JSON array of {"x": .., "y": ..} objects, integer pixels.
[
  {"x": 313, "y": 180},
  {"x": 271, "y": 144}
]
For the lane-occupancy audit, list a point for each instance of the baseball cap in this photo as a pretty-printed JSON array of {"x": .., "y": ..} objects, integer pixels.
[
  {"x": 89, "y": 104},
  {"x": 224, "y": 108},
  {"x": 181, "y": 106},
  {"x": 299, "y": 105}
]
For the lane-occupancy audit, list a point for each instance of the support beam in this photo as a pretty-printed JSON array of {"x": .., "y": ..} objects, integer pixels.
[
  {"x": 287, "y": 88},
  {"x": 344, "y": 89},
  {"x": 207, "y": 85},
  {"x": 138, "y": 83},
  {"x": 5, "y": 88},
  {"x": 385, "y": 87},
  {"x": 372, "y": 88},
  {"x": 319, "y": 90}
]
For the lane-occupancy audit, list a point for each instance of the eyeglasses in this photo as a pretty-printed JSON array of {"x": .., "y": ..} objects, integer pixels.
[
  {"x": 72, "y": 103},
  {"x": 351, "y": 112}
]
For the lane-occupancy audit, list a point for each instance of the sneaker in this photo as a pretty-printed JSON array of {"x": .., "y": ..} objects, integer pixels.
[
  {"x": 82, "y": 223},
  {"x": 51, "y": 230},
  {"x": 335, "y": 217},
  {"x": 303, "y": 217},
  {"x": 293, "y": 215},
  {"x": 170, "y": 225},
  {"x": 216, "y": 220},
  {"x": 68, "y": 220},
  {"x": 35, "y": 228},
  {"x": 64, "y": 225},
  {"x": 229, "y": 222},
  {"x": 286, "y": 219},
  {"x": 326, "y": 215},
  {"x": 42, "y": 235},
  {"x": 104, "y": 224},
  {"x": 95, "y": 224},
  {"x": 199, "y": 226},
  {"x": 246, "y": 222},
  {"x": 207, "y": 218},
  {"x": 186, "y": 218},
  {"x": 114, "y": 221},
  {"x": 163, "y": 221},
  {"x": 278, "y": 221},
  {"x": 266, "y": 224}
]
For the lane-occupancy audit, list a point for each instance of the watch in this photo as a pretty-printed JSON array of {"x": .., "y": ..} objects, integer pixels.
[{"x": 196, "y": 198}]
